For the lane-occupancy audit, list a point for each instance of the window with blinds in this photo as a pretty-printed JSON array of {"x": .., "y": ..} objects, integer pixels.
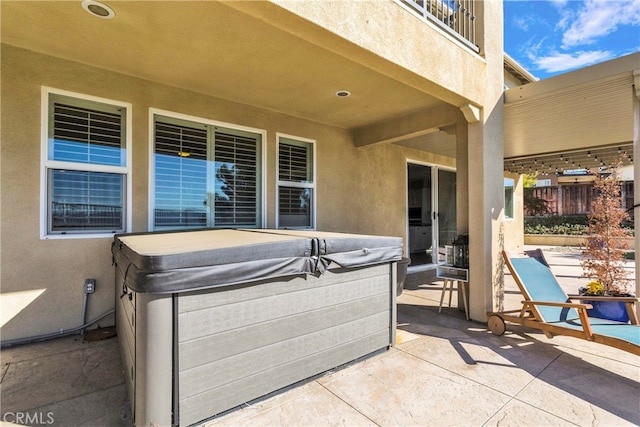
[
  {"x": 236, "y": 188},
  {"x": 205, "y": 176},
  {"x": 86, "y": 135},
  {"x": 87, "y": 201},
  {"x": 86, "y": 170},
  {"x": 180, "y": 175},
  {"x": 296, "y": 184},
  {"x": 294, "y": 162}
]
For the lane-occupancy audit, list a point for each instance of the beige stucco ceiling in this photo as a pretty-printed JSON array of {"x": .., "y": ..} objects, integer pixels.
[
  {"x": 211, "y": 48},
  {"x": 441, "y": 141}
]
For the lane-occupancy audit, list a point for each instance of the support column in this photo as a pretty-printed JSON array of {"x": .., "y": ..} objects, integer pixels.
[
  {"x": 462, "y": 184},
  {"x": 486, "y": 213},
  {"x": 486, "y": 170},
  {"x": 636, "y": 174},
  {"x": 462, "y": 176}
]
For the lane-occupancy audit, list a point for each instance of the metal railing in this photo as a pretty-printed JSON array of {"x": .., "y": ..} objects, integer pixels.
[{"x": 456, "y": 16}]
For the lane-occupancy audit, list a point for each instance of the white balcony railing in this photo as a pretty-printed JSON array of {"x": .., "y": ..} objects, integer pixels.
[{"x": 455, "y": 16}]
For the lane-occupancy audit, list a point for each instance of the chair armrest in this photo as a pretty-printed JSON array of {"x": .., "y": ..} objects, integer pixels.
[
  {"x": 582, "y": 313},
  {"x": 558, "y": 304}
]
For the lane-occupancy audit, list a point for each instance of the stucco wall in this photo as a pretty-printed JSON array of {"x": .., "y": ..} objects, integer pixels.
[{"x": 361, "y": 190}]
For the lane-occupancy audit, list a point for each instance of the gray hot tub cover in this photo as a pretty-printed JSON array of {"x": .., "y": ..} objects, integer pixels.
[{"x": 172, "y": 262}]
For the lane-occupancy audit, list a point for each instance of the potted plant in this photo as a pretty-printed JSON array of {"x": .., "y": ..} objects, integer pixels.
[
  {"x": 605, "y": 304},
  {"x": 603, "y": 258}
]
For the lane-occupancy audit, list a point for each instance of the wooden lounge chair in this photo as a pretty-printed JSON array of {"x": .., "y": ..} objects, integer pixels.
[
  {"x": 538, "y": 255},
  {"x": 548, "y": 308}
]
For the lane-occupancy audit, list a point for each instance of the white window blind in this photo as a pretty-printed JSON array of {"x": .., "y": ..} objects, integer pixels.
[
  {"x": 86, "y": 135},
  {"x": 180, "y": 175},
  {"x": 88, "y": 201},
  {"x": 236, "y": 193},
  {"x": 295, "y": 184},
  {"x": 205, "y": 176},
  {"x": 85, "y": 167},
  {"x": 294, "y": 162}
]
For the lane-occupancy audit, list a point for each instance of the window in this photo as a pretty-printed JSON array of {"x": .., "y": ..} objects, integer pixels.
[
  {"x": 85, "y": 166},
  {"x": 296, "y": 183},
  {"x": 508, "y": 198},
  {"x": 205, "y": 175}
]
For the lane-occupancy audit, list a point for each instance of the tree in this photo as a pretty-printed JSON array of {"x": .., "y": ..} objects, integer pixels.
[
  {"x": 529, "y": 180},
  {"x": 533, "y": 205},
  {"x": 603, "y": 257}
]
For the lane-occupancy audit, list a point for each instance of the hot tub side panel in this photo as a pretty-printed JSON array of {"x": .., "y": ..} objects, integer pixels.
[
  {"x": 154, "y": 364},
  {"x": 238, "y": 343},
  {"x": 125, "y": 327}
]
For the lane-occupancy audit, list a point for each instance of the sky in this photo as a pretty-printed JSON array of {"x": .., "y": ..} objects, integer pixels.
[{"x": 550, "y": 37}]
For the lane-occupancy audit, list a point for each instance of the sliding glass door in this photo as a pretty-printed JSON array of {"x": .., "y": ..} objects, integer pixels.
[
  {"x": 431, "y": 192},
  {"x": 446, "y": 211}
]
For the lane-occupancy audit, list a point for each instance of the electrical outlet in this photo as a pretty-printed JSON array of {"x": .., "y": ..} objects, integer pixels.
[{"x": 89, "y": 286}]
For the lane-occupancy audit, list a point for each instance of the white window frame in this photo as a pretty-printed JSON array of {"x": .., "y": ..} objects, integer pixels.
[
  {"x": 46, "y": 164},
  {"x": 512, "y": 215},
  {"x": 282, "y": 183},
  {"x": 201, "y": 120}
]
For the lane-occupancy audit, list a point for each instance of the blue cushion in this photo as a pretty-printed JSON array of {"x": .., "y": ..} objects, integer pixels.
[
  {"x": 609, "y": 328},
  {"x": 542, "y": 285}
]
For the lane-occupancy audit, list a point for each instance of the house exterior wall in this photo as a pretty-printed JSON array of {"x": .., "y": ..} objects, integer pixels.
[{"x": 358, "y": 190}]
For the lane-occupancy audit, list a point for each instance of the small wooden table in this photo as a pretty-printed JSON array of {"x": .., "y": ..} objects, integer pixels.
[{"x": 450, "y": 275}]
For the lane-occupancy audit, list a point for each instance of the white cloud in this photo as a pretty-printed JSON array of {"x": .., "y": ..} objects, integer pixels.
[
  {"x": 561, "y": 35},
  {"x": 597, "y": 18},
  {"x": 531, "y": 47},
  {"x": 558, "y": 62},
  {"x": 521, "y": 23},
  {"x": 566, "y": 16}
]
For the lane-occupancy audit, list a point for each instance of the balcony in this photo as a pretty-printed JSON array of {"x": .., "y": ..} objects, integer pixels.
[{"x": 454, "y": 16}]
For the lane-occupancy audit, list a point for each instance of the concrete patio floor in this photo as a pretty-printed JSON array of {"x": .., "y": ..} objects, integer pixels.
[{"x": 443, "y": 371}]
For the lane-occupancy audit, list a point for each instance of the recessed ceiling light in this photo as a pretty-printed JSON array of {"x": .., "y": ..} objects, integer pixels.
[
  {"x": 343, "y": 93},
  {"x": 98, "y": 9}
]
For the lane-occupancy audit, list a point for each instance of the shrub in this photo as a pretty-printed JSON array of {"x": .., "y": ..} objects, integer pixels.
[
  {"x": 574, "y": 225},
  {"x": 557, "y": 224}
]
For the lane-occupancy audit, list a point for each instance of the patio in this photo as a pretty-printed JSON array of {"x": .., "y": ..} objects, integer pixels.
[{"x": 444, "y": 370}]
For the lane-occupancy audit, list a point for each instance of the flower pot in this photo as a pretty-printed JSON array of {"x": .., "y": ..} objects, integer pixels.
[{"x": 611, "y": 310}]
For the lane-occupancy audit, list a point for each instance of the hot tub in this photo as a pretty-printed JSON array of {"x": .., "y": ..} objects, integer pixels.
[{"x": 210, "y": 319}]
